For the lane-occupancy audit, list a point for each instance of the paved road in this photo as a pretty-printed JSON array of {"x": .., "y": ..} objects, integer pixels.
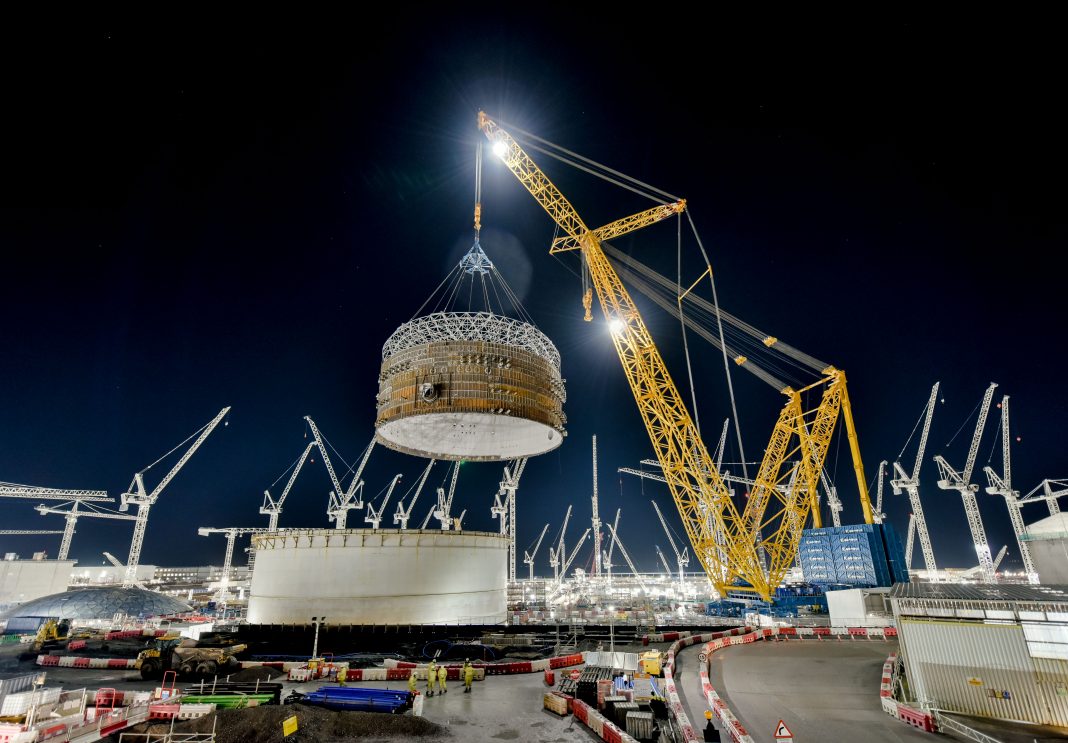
[{"x": 825, "y": 691}]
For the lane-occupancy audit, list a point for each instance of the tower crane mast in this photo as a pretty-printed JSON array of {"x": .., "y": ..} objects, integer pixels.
[
  {"x": 556, "y": 557},
  {"x": 596, "y": 517},
  {"x": 607, "y": 562},
  {"x": 373, "y": 517},
  {"x": 273, "y": 508},
  {"x": 528, "y": 557},
  {"x": 144, "y": 500},
  {"x": 626, "y": 557},
  {"x": 444, "y": 508},
  {"x": 702, "y": 498},
  {"x": 950, "y": 479},
  {"x": 911, "y": 485},
  {"x": 222, "y": 594},
  {"x": 1003, "y": 486},
  {"x": 505, "y": 509},
  {"x": 403, "y": 514}
]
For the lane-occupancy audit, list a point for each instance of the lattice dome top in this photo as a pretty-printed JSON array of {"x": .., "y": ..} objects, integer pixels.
[{"x": 471, "y": 326}]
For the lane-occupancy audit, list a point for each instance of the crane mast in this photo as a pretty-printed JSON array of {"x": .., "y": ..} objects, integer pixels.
[
  {"x": 373, "y": 517},
  {"x": 911, "y": 485},
  {"x": 702, "y": 498},
  {"x": 950, "y": 479},
  {"x": 596, "y": 517},
  {"x": 145, "y": 500},
  {"x": 505, "y": 509},
  {"x": 272, "y": 508},
  {"x": 528, "y": 557},
  {"x": 403, "y": 514},
  {"x": 556, "y": 557},
  {"x": 71, "y": 515},
  {"x": 611, "y": 547},
  {"x": 626, "y": 556},
  {"x": 878, "y": 515},
  {"x": 1003, "y": 486},
  {"x": 444, "y": 507},
  {"x": 909, "y": 541},
  {"x": 222, "y": 593}
]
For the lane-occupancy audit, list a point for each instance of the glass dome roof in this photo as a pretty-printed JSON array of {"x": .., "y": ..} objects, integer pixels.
[{"x": 99, "y": 604}]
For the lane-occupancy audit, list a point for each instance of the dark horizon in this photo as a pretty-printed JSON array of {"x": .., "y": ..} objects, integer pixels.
[{"x": 206, "y": 219}]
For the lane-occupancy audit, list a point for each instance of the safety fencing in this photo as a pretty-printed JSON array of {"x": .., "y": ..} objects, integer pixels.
[
  {"x": 79, "y": 661},
  {"x": 503, "y": 669},
  {"x": 839, "y": 633},
  {"x": 130, "y": 633},
  {"x": 909, "y": 715},
  {"x": 605, "y": 729}
]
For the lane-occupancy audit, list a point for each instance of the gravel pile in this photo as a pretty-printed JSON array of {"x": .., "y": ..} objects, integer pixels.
[{"x": 264, "y": 725}]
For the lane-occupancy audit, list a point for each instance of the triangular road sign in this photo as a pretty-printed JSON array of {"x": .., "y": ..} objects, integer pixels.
[{"x": 782, "y": 732}]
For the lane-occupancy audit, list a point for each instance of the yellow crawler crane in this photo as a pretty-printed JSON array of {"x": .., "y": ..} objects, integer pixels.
[{"x": 733, "y": 562}]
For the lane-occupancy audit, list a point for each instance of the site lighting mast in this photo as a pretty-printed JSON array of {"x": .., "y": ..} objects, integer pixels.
[
  {"x": 273, "y": 508},
  {"x": 950, "y": 479},
  {"x": 139, "y": 496},
  {"x": 528, "y": 557},
  {"x": 1003, "y": 486},
  {"x": 911, "y": 485}
]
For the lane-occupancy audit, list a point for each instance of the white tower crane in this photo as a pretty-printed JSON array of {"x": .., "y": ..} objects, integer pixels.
[
  {"x": 373, "y": 517},
  {"x": 557, "y": 556},
  {"x": 1003, "y": 486},
  {"x": 834, "y": 503},
  {"x": 72, "y": 514},
  {"x": 113, "y": 560},
  {"x": 443, "y": 510},
  {"x": 144, "y": 500},
  {"x": 596, "y": 521},
  {"x": 911, "y": 485},
  {"x": 1048, "y": 491},
  {"x": 574, "y": 552},
  {"x": 950, "y": 479},
  {"x": 607, "y": 561},
  {"x": 683, "y": 558},
  {"x": 273, "y": 508},
  {"x": 28, "y": 532},
  {"x": 528, "y": 557},
  {"x": 877, "y": 515},
  {"x": 341, "y": 500},
  {"x": 14, "y": 490},
  {"x": 222, "y": 593},
  {"x": 663, "y": 561},
  {"x": 910, "y": 540},
  {"x": 505, "y": 509},
  {"x": 403, "y": 514},
  {"x": 626, "y": 556}
]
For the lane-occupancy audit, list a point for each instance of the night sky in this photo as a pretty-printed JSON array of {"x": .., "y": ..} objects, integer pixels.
[{"x": 241, "y": 215}]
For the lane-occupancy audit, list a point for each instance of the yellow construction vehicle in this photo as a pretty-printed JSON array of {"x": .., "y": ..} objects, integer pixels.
[
  {"x": 187, "y": 658},
  {"x": 51, "y": 633},
  {"x": 744, "y": 550}
]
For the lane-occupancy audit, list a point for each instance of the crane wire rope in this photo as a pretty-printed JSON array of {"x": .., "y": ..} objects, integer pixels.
[
  {"x": 191, "y": 436},
  {"x": 923, "y": 414},
  {"x": 682, "y": 323},
  {"x": 962, "y": 425}
]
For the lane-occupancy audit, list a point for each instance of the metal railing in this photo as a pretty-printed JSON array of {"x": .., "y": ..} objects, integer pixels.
[{"x": 947, "y": 723}]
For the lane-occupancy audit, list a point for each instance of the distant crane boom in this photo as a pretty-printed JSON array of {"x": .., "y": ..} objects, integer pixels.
[
  {"x": 950, "y": 479},
  {"x": 71, "y": 515},
  {"x": 574, "y": 552},
  {"x": 611, "y": 547},
  {"x": 444, "y": 509},
  {"x": 145, "y": 500},
  {"x": 528, "y": 557},
  {"x": 14, "y": 490},
  {"x": 341, "y": 500},
  {"x": 911, "y": 485},
  {"x": 222, "y": 593},
  {"x": 403, "y": 514},
  {"x": 878, "y": 515},
  {"x": 1049, "y": 491},
  {"x": 272, "y": 508},
  {"x": 373, "y": 517},
  {"x": 1003, "y": 486},
  {"x": 909, "y": 541},
  {"x": 626, "y": 556}
]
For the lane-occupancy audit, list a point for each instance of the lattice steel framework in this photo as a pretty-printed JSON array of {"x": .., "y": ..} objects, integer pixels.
[{"x": 471, "y": 326}]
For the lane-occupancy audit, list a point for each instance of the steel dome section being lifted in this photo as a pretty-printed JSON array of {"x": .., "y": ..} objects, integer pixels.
[
  {"x": 470, "y": 386},
  {"x": 473, "y": 385}
]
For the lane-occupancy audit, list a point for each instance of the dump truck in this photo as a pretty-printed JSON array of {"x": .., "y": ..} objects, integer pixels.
[{"x": 187, "y": 658}]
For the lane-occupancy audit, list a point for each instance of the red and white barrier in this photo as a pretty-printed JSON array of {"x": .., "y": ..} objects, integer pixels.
[
  {"x": 908, "y": 715},
  {"x": 77, "y": 661},
  {"x": 499, "y": 669}
]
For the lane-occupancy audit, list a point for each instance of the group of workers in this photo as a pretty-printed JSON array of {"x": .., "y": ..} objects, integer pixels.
[{"x": 438, "y": 675}]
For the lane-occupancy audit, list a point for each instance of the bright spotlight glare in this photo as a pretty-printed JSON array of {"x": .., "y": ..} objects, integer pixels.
[
  {"x": 500, "y": 149},
  {"x": 615, "y": 325}
]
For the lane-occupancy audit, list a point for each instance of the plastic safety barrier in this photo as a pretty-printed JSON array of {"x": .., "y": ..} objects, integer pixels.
[{"x": 599, "y": 724}]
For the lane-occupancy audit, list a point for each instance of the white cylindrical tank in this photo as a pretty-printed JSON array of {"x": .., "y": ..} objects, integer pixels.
[{"x": 383, "y": 576}]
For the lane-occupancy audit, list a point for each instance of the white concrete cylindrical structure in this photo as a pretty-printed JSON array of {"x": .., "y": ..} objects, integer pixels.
[{"x": 383, "y": 576}]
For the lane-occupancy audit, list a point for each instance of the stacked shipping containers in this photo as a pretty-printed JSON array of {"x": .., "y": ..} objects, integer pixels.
[{"x": 861, "y": 555}]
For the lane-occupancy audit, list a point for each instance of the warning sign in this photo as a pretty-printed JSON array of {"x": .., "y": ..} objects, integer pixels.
[
  {"x": 289, "y": 726},
  {"x": 782, "y": 733}
]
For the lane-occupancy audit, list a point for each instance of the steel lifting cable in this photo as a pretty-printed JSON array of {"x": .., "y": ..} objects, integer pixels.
[
  {"x": 915, "y": 428},
  {"x": 191, "y": 436},
  {"x": 682, "y": 323},
  {"x": 962, "y": 425}
]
